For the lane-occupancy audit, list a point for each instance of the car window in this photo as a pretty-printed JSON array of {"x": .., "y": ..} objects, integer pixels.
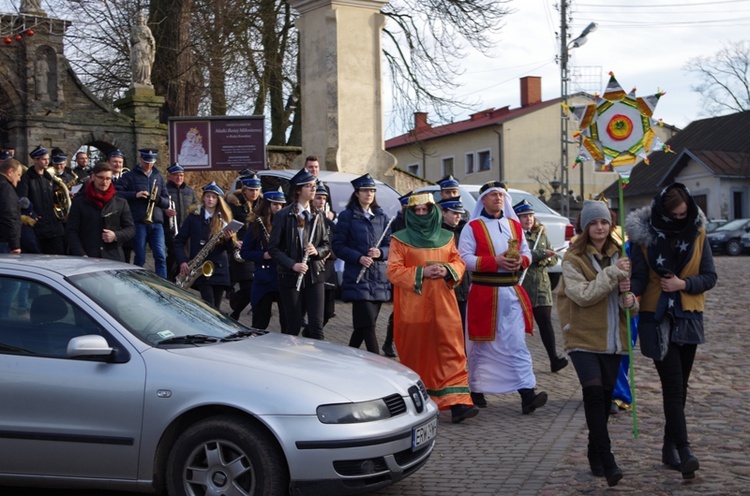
[
  {"x": 733, "y": 225},
  {"x": 151, "y": 308},
  {"x": 539, "y": 205},
  {"x": 37, "y": 320}
]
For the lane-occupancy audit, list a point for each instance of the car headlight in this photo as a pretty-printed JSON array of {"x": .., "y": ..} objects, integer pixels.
[{"x": 352, "y": 413}]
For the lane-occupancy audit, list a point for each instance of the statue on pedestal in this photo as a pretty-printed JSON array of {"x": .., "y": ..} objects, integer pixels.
[
  {"x": 142, "y": 52},
  {"x": 31, "y": 7}
]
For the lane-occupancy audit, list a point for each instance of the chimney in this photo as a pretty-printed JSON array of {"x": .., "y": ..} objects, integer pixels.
[
  {"x": 420, "y": 121},
  {"x": 531, "y": 90}
]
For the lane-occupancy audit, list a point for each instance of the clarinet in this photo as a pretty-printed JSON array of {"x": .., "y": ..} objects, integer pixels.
[
  {"x": 523, "y": 275},
  {"x": 382, "y": 237},
  {"x": 306, "y": 257}
]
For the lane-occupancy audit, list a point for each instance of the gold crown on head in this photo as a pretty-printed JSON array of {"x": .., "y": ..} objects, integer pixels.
[{"x": 421, "y": 199}]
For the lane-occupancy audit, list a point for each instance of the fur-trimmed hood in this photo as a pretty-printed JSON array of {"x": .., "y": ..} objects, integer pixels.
[
  {"x": 233, "y": 198},
  {"x": 638, "y": 229}
]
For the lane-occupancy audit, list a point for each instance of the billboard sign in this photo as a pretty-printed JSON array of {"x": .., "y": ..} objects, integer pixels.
[{"x": 218, "y": 143}]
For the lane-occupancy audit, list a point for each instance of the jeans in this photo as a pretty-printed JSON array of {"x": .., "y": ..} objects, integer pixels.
[
  {"x": 153, "y": 234},
  {"x": 674, "y": 372}
]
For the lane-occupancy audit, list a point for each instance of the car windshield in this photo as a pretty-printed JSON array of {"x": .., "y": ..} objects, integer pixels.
[
  {"x": 733, "y": 225},
  {"x": 152, "y": 308}
]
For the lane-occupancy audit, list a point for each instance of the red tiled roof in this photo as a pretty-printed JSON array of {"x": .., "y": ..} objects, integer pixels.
[{"x": 485, "y": 118}]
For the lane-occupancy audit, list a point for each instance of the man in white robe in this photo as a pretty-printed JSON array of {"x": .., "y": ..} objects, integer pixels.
[{"x": 498, "y": 359}]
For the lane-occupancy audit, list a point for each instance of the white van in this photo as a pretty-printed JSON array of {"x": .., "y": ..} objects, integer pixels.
[{"x": 559, "y": 229}]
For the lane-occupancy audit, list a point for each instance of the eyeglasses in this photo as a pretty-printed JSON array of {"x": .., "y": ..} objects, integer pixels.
[
  {"x": 311, "y": 186},
  {"x": 103, "y": 178}
]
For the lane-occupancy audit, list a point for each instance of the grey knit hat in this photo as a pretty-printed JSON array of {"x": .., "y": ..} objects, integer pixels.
[{"x": 593, "y": 210}]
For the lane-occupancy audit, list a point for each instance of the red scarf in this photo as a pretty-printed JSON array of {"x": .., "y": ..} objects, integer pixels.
[{"x": 97, "y": 197}]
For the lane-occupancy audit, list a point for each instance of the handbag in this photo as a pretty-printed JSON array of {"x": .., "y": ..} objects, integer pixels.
[{"x": 654, "y": 335}]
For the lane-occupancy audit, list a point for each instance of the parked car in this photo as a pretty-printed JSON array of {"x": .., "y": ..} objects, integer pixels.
[
  {"x": 558, "y": 229},
  {"x": 713, "y": 224},
  {"x": 117, "y": 379},
  {"x": 745, "y": 239},
  {"x": 338, "y": 182},
  {"x": 726, "y": 238}
]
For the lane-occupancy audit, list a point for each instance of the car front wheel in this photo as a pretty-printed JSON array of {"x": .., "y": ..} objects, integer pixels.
[
  {"x": 734, "y": 247},
  {"x": 228, "y": 456}
]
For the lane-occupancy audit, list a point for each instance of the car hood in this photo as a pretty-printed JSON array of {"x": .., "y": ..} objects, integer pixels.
[{"x": 288, "y": 365}]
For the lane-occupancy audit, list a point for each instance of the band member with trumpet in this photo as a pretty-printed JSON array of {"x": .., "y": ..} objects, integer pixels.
[
  {"x": 242, "y": 201},
  {"x": 205, "y": 226},
  {"x": 361, "y": 240},
  {"x": 50, "y": 203},
  {"x": 181, "y": 197},
  {"x": 116, "y": 160},
  {"x": 145, "y": 190},
  {"x": 265, "y": 289},
  {"x": 59, "y": 161},
  {"x": 299, "y": 244},
  {"x": 99, "y": 221}
]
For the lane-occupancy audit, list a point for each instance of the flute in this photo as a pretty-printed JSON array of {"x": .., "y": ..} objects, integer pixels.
[
  {"x": 306, "y": 257},
  {"x": 541, "y": 231},
  {"x": 377, "y": 245}
]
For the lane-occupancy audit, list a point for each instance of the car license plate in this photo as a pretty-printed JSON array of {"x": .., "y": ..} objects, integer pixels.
[{"x": 423, "y": 434}]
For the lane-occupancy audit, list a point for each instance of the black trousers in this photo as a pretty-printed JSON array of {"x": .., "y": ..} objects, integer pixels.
[
  {"x": 212, "y": 294},
  {"x": 263, "y": 309},
  {"x": 543, "y": 318},
  {"x": 311, "y": 298},
  {"x": 365, "y": 319},
  {"x": 674, "y": 372}
]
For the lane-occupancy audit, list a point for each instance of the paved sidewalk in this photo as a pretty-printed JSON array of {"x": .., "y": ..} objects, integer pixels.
[{"x": 502, "y": 452}]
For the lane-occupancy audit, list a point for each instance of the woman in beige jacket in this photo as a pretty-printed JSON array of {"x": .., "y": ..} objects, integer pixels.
[{"x": 594, "y": 292}]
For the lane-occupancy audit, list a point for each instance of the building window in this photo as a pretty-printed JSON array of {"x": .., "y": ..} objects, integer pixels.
[
  {"x": 448, "y": 166},
  {"x": 484, "y": 160},
  {"x": 470, "y": 163},
  {"x": 413, "y": 169}
]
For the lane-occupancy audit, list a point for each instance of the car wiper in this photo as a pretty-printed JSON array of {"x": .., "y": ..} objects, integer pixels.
[
  {"x": 247, "y": 334},
  {"x": 13, "y": 349},
  {"x": 191, "y": 339}
]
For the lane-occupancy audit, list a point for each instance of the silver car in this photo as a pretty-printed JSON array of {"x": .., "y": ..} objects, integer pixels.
[{"x": 114, "y": 378}]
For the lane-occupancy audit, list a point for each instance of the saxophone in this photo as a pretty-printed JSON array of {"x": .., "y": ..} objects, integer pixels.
[
  {"x": 199, "y": 266},
  {"x": 61, "y": 195}
]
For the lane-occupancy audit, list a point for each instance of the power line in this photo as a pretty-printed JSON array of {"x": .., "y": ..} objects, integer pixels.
[{"x": 650, "y": 6}]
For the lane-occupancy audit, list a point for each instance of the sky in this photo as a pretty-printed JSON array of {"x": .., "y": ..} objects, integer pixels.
[{"x": 645, "y": 43}]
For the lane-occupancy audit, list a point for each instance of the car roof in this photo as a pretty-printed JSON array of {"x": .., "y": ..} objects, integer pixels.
[
  {"x": 59, "y": 264},
  {"x": 325, "y": 176}
]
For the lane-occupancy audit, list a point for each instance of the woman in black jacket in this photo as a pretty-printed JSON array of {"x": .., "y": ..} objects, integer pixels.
[
  {"x": 357, "y": 242},
  {"x": 201, "y": 227},
  {"x": 99, "y": 221}
]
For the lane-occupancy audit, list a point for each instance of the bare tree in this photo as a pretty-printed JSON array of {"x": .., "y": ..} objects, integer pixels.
[
  {"x": 724, "y": 78},
  {"x": 544, "y": 174}
]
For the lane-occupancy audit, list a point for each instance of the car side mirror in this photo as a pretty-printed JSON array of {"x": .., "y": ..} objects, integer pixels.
[{"x": 91, "y": 345}]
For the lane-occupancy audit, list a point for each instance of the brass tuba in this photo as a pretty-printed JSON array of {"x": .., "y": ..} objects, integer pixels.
[
  {"x": 153, "y": 197},
  {"x": 61, "y": 195}
]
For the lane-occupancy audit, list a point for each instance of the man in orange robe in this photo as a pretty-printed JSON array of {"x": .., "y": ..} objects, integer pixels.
[{"x": 424, "y": 267}]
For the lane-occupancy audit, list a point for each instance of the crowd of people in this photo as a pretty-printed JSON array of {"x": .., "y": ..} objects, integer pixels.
[{"x": 467, "y": 287}]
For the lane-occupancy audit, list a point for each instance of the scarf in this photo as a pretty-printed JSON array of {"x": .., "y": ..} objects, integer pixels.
[
  {"x": 98, "y": 198},
  {"x": 675, "y": 238},
  {"x": 424, "y": 231}
]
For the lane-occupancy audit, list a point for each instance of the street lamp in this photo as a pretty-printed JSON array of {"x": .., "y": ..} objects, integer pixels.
[{"x": 565, "y": 47}]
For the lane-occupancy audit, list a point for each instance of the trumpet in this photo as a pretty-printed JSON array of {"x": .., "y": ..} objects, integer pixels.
[
  {"x": 173, "y": 220},
  {"x": 153, "y": 196}
]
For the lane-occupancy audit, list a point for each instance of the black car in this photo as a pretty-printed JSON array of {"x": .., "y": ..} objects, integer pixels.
[{"x": 726, "y": 238}]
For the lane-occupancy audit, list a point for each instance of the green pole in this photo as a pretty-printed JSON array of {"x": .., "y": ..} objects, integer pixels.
[{"x": 631, "y": 374}]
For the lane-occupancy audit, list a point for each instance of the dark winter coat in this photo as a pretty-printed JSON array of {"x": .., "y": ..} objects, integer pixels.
[
  {"x": 40, "y": 191},
  {"x": 136, "y": 180},
  {"x": 242, "y": 272},
  {"x": 266, "y": 276},
  {"x": 10, "y": 215},
  {"x": 354, "y": 236},
  {"x": 195, "y": 232},
  {"x": 86, "y": 222},
  {"x": 536, "y": 281},
  {"x": 183, "y": 197},
  {"x": 285, "y": 247}
]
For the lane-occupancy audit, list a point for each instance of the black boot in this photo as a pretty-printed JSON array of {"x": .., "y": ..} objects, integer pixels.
[
  {"x": 688, "y": 462},
  {"x": 531, "y": 400},
  {"x": 558, "y": 364},
  {"x": 594, "y": 406},
  {"x": 669, "y": 455},
  {"x": 479, "y": 400},
  {"x": 595, "y": 461}
]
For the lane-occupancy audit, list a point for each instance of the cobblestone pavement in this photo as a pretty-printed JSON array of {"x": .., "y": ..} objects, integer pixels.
[{"x": 502, "y": 452}]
